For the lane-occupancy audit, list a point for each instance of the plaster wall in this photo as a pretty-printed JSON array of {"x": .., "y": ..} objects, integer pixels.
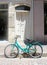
[{"x": 38, "y": 20}]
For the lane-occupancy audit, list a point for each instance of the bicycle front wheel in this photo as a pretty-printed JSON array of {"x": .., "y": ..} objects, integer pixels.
[
  {"x": 35, "y": 51},
  {"x": 11, "y": 51}
]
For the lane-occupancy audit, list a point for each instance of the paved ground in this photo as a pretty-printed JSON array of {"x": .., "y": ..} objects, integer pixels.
[{"x": 23, "y": 61}]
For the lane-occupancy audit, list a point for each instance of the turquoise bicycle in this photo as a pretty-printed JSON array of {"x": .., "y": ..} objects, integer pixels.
[{"x": 34, "y": 49}]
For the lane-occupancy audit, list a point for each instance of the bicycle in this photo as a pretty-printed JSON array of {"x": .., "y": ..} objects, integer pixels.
[{"x": 34, "y": 49}]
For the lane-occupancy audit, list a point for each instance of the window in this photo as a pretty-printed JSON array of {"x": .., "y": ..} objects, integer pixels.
[
  {"x": 3, "y": 6},
  {"x": 3, "y": 21},
  {"x": 45, "y": 18}
]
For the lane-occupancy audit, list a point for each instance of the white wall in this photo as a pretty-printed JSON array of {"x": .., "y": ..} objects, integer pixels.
[
  {"x": 16, "y": 1},
  {"x": 27, "y": 18}
]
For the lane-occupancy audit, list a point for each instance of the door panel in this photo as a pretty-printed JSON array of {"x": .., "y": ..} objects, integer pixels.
[{"x": 38, "y": 20}]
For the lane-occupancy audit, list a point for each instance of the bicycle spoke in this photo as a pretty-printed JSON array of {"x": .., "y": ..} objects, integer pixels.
[{"x": 11, "y": 51}]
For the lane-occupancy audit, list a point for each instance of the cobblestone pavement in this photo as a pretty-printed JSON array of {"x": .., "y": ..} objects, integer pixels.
[{"x": 23, "y": 61}]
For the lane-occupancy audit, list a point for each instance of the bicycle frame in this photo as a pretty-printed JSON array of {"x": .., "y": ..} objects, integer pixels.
[
  {"x": 26, "y": 49},
  {"x": 20, "y": 48}
]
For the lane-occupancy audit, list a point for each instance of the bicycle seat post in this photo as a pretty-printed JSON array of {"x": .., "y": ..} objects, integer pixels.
[{"x": 17, "y": 37}]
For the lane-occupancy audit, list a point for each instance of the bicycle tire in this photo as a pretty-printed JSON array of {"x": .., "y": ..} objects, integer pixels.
[
  {"x": 8, "y": 53},
  {"x": 32, "y": 53}
]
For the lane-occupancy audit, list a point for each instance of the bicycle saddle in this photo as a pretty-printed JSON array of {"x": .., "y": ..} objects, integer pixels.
[{"x": 17, "y": 36}]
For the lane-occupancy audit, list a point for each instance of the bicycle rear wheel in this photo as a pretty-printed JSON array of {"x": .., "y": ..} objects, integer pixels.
[
  {"x": 11, "y": 51},
  {"x": 36, "y": 51}
]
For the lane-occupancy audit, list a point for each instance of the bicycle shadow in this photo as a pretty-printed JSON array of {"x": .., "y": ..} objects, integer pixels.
[{"x": 25, "y": 55}]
